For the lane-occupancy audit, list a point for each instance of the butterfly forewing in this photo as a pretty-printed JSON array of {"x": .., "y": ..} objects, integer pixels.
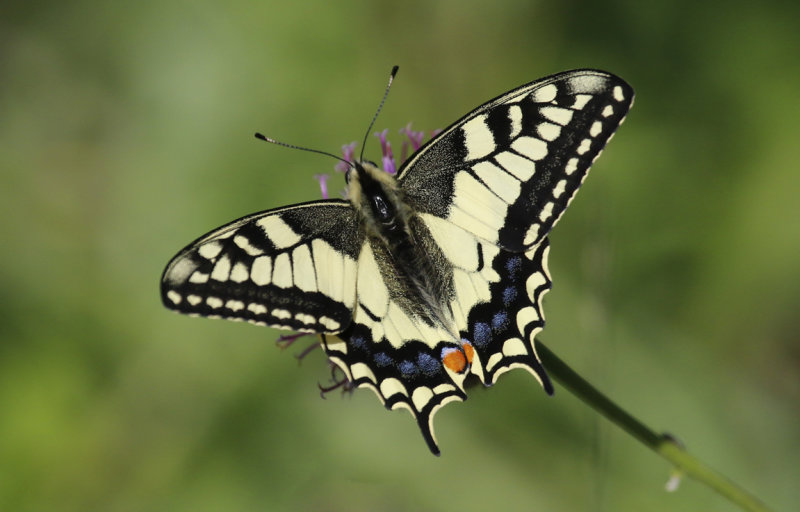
[
  {"x": 507, "y": 170},
  {"x": 290, "y": 268}
]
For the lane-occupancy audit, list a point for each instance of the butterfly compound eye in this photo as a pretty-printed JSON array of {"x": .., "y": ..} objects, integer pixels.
[{"x": 383, "y": 210}]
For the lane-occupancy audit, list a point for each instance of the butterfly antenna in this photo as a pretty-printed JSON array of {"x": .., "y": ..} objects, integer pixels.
[
  {"x": 375, "y": 117},
  {"x": 301, "y": 148}
]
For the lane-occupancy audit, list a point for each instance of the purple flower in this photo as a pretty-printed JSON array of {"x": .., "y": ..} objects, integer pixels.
[
  {"x": 414, "y": 140},
  {"x": 348, "y": 153},
  {"x": 387, "y": 158},
  {"x": 323, "y": 183}
]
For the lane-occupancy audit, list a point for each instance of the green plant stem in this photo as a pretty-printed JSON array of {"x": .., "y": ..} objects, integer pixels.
[{"x": 662, "y": 444}]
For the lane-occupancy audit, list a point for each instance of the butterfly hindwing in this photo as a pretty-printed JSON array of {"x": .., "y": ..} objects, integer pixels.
[
  {"x": 502, "y": 330},
  {"x": 507, "y": 170},
  {"x": 496, "y": 299},
  {"x": 291, "y": 268}
]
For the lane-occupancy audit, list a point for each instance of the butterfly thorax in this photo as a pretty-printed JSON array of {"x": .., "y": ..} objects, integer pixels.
[{"x": 416, "y": 272}]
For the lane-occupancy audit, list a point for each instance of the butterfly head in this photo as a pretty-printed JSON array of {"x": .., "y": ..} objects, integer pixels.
[{"x": 376, "y": 195}]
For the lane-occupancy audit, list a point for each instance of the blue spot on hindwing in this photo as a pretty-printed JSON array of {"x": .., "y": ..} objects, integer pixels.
[
  {"x": 483, "y": 334},
  {"x": 428, "y": 364},
  {"x": 358, "y": 342},
  {"x": 383, "y": 360},
  {"x": 514, "y": 267},
  {"x": 509, "y": 296},
  {"x": 407, "y": 368},
  {"x": 500, "y": 321}
]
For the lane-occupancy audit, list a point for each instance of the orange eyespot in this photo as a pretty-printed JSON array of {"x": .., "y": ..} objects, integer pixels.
[
  {"x": 469, "y": 351},
  {"x": 455, "y": 360}
]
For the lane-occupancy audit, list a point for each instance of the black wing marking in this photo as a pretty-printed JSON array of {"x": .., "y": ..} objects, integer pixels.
[
  {"x": 507, "y": 170},
  {"x": 290, "y": 268}
]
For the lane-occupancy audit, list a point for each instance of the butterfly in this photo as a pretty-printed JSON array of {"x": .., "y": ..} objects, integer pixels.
[{"x": 422, "y": 279}]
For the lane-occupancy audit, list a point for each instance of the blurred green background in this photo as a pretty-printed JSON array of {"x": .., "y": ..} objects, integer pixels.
[{"x": 126, "y": 131}]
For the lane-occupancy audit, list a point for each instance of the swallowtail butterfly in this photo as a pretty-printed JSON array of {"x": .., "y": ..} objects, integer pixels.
[{"x": 422, "y": 279}]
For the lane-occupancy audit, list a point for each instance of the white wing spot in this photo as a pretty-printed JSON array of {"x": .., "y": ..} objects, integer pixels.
[
  {"x": 392, "y": 386},
  {"x": 618, "y": 93},
  {"x": 584, "y": 147},
  {"x": 234, "y": 305},
  {"x": 478, "y": 138},
  {"x": 282, "y": 273},
  {"x": 515, "y": 115},
  {"x": 335, "y": 273},
  {"x": 548, "y": 131},
  {"x": 546, "y": 212},
  {"x": 305, "y": 318},
  {"x": 261, "y": 271},
  {"x": 244, "y": 244},
  {"x": 443, "y": 388},
  {"x": 494, "y": 359},
  {"x": 361, "y": 370},
  {"x": 545, "y": 255},
  {"x": 572, "y": 166},
  {"x": 421, "y": 396},
  {"x": 526, "y": 316},
  {"x": 214, "y": 302},
  {"x": 303, "y": 267},
  {"x": 278, "y": 231},
  {"x": 581, "y": 100},
  {"x": 514, "y": 347},
  {"x": 210, "y": 250},
  {"x": 534, "y": 282},
  {"x": 199, "y": 278},
  {"x": 194, "y": 299},
  {"x": 258, "y": 309},
  {"x": 535, "y": 149},
  {"x": 329, "y": 323},
  {"x": 499, "y": 181},
  {"x": 222, "y": 269},
  {"x": 281, "y": 313},
  {"x": 533, "y": 234},
  {"x": 596, "y": 128},
  {"x": 545, "y": 94},
  {"x": 174, "y": 296},
  {"x": 558, "y": 115},
  {"x": 239, "y": 273},
  {"x": 517, "y": 165},
  {"x": 608, "y": 111},
  {"x": 559, "y": 189}
]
